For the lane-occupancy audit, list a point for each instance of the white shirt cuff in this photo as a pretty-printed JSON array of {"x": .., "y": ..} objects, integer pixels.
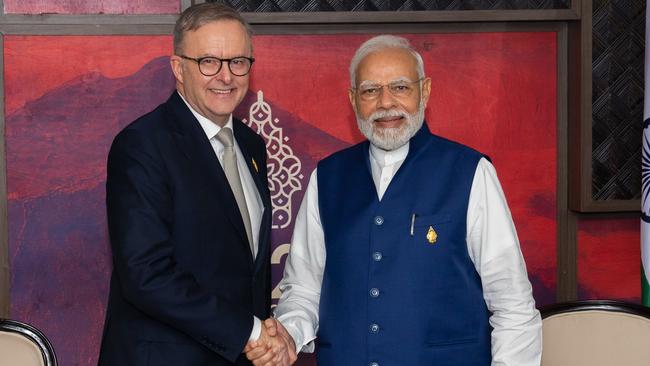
[
  {"x": 257, "y": 329},
  {"x": 298, "y": 339}
]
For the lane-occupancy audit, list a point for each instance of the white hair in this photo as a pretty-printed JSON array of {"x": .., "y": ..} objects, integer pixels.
[{"x": 379, "y": 43}]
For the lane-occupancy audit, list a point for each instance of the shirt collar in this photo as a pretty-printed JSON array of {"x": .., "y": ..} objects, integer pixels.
[
  {"x": 385, "y": 158},
  {"x": 210, "y": 128}
]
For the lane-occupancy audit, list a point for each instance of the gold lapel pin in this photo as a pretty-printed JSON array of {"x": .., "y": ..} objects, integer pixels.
[
  {"x": 257, "y": 170},
  {"x": 432, "y": 236}
]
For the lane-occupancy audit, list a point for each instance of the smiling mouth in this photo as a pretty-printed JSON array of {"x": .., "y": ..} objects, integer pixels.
[
  {"x": 389, "y": 119},
  {"x": 222, "y": 91},
  {"x": 392, "y": 121}
]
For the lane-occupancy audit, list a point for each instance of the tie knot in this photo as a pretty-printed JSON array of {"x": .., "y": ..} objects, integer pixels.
[{"x": 225, "y": 137}]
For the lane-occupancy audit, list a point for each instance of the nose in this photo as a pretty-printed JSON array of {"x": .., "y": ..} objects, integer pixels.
[
  {"x": 224, "y": 74},
  {"x": 386, "y": 99}
]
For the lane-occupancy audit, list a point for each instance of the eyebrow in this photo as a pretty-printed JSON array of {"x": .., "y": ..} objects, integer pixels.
[
  {"x": 372, "y": 82},
  {"x": 224, "y": 58}
]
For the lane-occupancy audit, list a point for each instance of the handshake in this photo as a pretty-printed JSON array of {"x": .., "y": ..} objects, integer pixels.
[{"x": 274, "y": 346}]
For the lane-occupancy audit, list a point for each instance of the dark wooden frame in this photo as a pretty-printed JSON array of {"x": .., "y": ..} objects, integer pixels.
[
  {"x": 564, "y": 22},
  {"x": 580, "y": 134}
]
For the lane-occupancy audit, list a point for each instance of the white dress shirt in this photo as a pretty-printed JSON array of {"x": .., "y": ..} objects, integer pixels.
[
  {"x": 492, "y": 244},
  {"x": 253, "y": 199}
]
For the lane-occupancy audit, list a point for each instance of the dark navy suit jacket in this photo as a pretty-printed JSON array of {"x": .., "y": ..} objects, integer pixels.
[{"x": 185, "y": 286}]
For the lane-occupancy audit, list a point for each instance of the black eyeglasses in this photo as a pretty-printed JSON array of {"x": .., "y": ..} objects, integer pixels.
[{"x": 210, "y": 66}]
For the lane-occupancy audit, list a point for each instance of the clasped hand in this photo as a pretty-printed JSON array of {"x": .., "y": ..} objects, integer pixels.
[{"x": 274, "y": 346}]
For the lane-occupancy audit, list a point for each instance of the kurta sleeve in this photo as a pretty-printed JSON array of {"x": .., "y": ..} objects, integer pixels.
[{"x": 494, "y": 248}]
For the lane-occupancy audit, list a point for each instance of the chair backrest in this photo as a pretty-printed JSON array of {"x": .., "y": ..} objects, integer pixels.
[
  {"x": 596, "y": 333},
  {"x": 23, "y": 345}
]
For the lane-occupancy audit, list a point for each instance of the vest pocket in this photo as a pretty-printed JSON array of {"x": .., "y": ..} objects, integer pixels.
[
  {"x": 451, "y": 318},
  {"x": 430, "y": 229},
  {"x": 426, "y": 220},
  {"x": 452, "y": 342}
]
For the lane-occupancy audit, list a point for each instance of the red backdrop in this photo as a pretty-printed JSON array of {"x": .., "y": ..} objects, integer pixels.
[
  {"x": 609, "y": 259},
  {"x": 67, "y": 96}
]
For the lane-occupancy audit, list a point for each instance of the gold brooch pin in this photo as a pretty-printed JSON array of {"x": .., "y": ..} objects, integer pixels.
[
  {"x": 432, "y": 236},
  {"x": 257, "y": 170}
]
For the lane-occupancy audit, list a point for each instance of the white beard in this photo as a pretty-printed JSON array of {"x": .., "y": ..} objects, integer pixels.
[{"x": 391, "y": 138}]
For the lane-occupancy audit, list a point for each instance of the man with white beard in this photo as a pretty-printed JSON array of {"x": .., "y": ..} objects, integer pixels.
[{"x": 404, "y": 251}]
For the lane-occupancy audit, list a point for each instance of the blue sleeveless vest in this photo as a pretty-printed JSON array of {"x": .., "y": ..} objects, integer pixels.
[{"x": 399, "y": 289}]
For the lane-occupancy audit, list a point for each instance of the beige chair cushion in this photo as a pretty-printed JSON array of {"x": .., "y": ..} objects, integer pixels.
[
  {"x": 596, "y": 338},
  {"x": 17, "y": 350}
]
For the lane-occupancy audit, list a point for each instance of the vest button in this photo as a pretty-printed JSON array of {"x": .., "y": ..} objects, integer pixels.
[
  {"x": 379, "y": 220},
  {"x": 374, "y": 292},
  {"x": 374, "y": 328},
  {"x": 373, "y": 364},
  {"x": 376, "y": 256}
]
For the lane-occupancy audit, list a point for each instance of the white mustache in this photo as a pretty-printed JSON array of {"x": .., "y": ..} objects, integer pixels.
[{"x": 388, "y": 113}]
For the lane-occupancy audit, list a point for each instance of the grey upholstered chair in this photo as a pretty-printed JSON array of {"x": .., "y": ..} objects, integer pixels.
[
  {"x": 23, "y": 345},
  {"x": 596, "y": 333}
]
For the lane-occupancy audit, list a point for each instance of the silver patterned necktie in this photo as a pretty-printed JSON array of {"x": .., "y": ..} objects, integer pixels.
[{"x": 232, "y": 174}]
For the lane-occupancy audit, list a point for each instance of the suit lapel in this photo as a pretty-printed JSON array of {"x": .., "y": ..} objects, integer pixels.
[{"x": 195, "y": 145}]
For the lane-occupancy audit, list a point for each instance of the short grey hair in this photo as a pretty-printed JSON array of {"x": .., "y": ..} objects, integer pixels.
[
  {"x": 379, "y": 43},
  {"x": 199, "y": 15}
]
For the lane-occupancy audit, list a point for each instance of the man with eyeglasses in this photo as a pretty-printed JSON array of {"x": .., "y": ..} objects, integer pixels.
[
  {"x": 189, "y": 213},
  {"x": 404, "y": 251}
]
